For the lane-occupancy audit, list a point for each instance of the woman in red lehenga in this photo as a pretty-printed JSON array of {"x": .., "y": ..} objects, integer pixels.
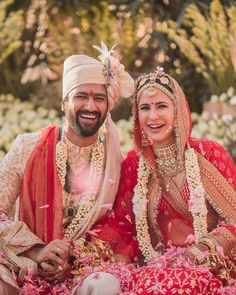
[{"x": 175, "y": 212}]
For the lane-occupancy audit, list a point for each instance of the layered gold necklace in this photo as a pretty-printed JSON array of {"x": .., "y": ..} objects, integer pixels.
[{"x": 167, "y": 160}]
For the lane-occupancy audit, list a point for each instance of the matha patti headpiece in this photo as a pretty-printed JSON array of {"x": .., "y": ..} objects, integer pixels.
[{"x": 153, "y": 81}]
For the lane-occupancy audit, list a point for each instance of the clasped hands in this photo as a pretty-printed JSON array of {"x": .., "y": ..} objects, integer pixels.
[{"x": 53, "y": 259}]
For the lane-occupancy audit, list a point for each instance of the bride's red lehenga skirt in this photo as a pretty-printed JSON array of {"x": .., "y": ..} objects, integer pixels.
[{"x": 175, "y": 281}]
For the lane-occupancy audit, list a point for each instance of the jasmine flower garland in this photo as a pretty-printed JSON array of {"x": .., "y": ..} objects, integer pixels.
[
  {"x": 96, "y": 172},
  {"x": 140, "y": 210},
  {"x": 197, "y": 204}
]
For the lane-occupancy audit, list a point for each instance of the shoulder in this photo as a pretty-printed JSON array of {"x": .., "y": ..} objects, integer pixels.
[
  {"x": 131, "y": 161},
  {"x": 217, "y": 155},
  {"x": 209, "y": 148},
  {"x": 25, "y": 143},
  {"x": 28, "y": 138}
]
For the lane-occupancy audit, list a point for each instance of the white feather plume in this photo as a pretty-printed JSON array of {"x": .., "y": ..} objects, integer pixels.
[{"x": 105, "y": 52}]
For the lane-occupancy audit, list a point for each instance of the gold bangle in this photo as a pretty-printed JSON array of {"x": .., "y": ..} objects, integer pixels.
[
  {"x": 122, "y": 258},
  {"x": 209, "y": 243},
  {"x": 197, "y": 254}
]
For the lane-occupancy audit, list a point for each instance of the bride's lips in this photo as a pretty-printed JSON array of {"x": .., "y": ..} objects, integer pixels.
[{"x": 155, "y": 127}]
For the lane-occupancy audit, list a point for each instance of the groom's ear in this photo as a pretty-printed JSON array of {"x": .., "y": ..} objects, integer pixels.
[{"x": 63, "y": 104}]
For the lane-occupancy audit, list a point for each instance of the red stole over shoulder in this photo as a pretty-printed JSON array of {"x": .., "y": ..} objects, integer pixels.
[{"x": 41, "y": 187}]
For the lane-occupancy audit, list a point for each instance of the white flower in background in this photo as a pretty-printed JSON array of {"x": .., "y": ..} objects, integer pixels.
[
  {"x": 214, "y": 98},
  {"x": 125, "y": 130},
  {"x": 223, "y": 97},
  {"x": 230, "y": 92},
  {"x": 205, "y": 116},
  {"x": 232, "y": 100},
  {"x": 18, "y": 117},
  {"x": 218, "y": 128},
  {"x": 228, "y": 97}
]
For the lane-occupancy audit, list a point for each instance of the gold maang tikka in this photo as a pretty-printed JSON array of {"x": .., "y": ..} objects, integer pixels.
[{"x": 151, "y": 89}]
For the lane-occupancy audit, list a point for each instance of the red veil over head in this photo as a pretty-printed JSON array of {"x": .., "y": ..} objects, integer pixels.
[{"x": 220, "y": 193}]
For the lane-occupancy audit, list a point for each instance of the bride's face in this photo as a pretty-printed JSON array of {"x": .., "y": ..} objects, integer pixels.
[{"x": 156, "y": 117}]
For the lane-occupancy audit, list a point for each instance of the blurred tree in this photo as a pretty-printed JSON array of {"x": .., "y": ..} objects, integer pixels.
[
  {"x": 10, "y": 40},
  {"x": 207, "y": 40},
  {"x": 55, "y": 29}
]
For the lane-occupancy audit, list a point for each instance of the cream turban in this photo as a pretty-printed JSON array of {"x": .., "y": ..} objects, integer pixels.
[{"x": 82, "y": 69}]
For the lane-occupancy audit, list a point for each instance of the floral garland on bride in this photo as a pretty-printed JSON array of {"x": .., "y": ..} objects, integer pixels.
[
  {"x": 96, "y": 173},
  {"x": 196, "y": 203}
]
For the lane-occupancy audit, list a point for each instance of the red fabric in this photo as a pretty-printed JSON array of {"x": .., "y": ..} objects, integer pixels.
[
  {"x": 116, "y": 228},
  {"x": 120, "y": 233},
  {"x": 218, "y": 156},
  {"x": 41, "y": 191},
  {"x": 174, "y": 281}
]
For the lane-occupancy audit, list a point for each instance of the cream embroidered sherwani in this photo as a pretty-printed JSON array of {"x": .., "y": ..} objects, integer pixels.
[{"x": 15, "y": 237}]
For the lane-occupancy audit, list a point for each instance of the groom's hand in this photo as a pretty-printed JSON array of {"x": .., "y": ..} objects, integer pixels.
[
  {"x": 55, "y": 274},
  {"x": 57, "y": 252}
]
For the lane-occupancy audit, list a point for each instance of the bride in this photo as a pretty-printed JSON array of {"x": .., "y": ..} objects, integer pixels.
[{"x": 175, "y": 211}]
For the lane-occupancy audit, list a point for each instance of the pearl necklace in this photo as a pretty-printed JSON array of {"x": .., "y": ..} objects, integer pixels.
[
  {"x": 197, "y": 204},
  {"x": 96, "y": 173}
]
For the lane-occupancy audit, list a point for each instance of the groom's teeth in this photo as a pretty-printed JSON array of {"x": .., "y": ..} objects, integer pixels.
[{"x": 88, "y": 116}]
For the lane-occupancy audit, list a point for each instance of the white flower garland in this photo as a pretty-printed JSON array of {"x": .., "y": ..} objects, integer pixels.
[
  {"x": 197, "y": 204},
  {"x": 140, "y": 210},
  {"x": 95, "y": 177}
]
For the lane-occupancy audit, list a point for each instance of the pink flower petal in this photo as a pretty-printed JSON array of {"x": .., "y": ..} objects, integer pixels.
[
  {"x": 169, "y": 226},
  {"x": 44, "y": 206},
  {"x": 128, "y": 218},
  {"x": 14, "y": 276},
  {"x": 107, "y": 206},
  {"x": 110, "y": 182},
  {"x": 1, "y": 254},
  {"x": 111, "y": 214},
  {"x": 21, "y": 242},
  {"x": 119, "y": 57},
  {"x": 169, "y": 243},
  {"x": 158, "y": 245},
  {"x": 96, "y": 276},
  {"x": 190, "y": 239},
  {"x": 3, "y": 217},
  {"x": 94, "y": 232},
  {"x": 220, "y": 251}
]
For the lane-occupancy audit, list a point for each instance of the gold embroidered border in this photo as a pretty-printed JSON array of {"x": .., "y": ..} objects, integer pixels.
[
  {"x": 220, "y": 193},
  {"x": 175, "y": 198},
  {"x": 154, "y": 196}
]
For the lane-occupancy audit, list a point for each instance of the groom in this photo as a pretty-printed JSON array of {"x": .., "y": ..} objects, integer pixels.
[{"x": 64, "y": 176}]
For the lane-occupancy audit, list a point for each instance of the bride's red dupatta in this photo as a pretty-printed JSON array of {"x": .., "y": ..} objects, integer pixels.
[{"x": 41, "y": 190}]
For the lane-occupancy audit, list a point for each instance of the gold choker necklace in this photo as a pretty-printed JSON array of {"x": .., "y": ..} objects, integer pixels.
[{"x": 167, "y": 160}]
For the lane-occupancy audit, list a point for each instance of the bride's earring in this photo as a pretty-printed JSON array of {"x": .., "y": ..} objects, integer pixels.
[
  {"x": 145, "y": 141},
  {"x": 169, "y": 129}
]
